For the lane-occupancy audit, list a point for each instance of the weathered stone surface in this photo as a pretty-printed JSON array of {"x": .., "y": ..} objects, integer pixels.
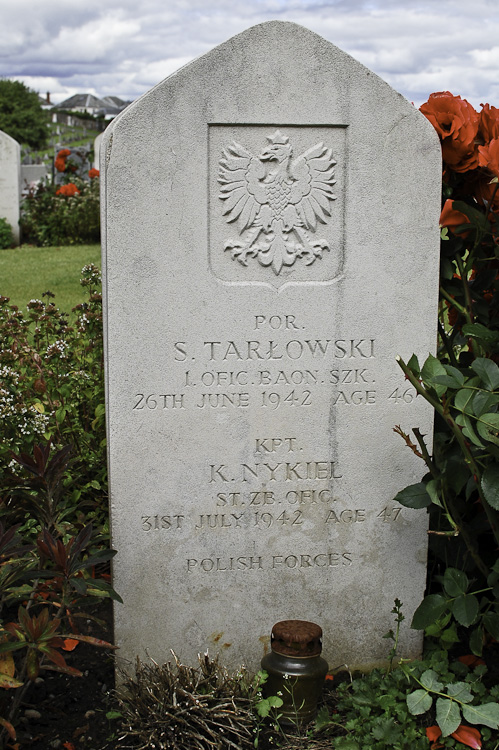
[
  {"x": 253, "y": 322},
  {"x": 10, "y": 181}
]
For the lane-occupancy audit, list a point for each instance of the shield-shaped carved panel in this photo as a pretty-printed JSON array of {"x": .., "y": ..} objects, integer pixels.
[{"x": 276, "y": 203}]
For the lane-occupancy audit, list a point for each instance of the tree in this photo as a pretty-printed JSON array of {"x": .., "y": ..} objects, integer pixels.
[{"x": 21, "y": 114}]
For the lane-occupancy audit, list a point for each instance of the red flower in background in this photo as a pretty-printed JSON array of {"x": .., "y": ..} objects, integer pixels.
[
  {"x": 452, "y": 218},
  {"x": 60, "y": 159},
  {"x": 68, "y": 190},
  {"x": 92, "y": 173},
  {"x": 488, "y": 156},
  {"x": 60, "y": 164},
  {"x": 489, "y": 122},
  {"x": 456, "y": 122}
]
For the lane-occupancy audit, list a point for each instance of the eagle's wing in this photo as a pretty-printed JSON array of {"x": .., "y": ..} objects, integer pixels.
[
  {"x": 241, "y": 190},
  {"x": 312, "y": 190}
]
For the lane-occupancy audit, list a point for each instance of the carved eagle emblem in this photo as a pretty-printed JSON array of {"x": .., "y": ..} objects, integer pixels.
[{"x": 277, "y": 201}]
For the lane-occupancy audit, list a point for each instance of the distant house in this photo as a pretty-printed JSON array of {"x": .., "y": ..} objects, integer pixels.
[{"x": 107, "y": 107}]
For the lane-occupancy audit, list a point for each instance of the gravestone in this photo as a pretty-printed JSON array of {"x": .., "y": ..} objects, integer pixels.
[
  {"x": 97, "y": 145},
  {"x": 271, "y": 244},
  {"x": 32, "y": 175},
  {"x": 10, "y": 182}
]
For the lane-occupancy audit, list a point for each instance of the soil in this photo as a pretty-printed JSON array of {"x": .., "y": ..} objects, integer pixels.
[{"x": 61, "y": 711}]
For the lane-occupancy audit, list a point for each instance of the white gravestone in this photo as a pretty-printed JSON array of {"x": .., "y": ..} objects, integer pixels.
[
  {"x": 10, "y": 182},
  {"x": 271, "y": 244}
]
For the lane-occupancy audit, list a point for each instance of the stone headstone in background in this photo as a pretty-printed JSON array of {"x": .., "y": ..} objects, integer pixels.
[
  {"x": 10, "y": 182},
  {"x": 79, "y": 158},
  {"x": 97, "y": 144},
  {"x": 32, "y": 175},
  {"x": 271, "y": 244}
]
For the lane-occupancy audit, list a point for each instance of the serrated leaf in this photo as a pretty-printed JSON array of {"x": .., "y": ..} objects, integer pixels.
[
  {"x": 476, "y": 641},
  {"x": 461, "y": 691},
  {"x": 480, "y": 332},
  {"x": 432, "y": 488},
  {"x": 483, "y": 401},
  {"x": 486, "y": 714},
  {"x": 490, "y": 485},
  {"x": 462, "y": 399},
  {"x": 429, "y": 680},
  {"x": 465, "y": 609},
  {"x": 488, "y": 427},
  {"x": 429, "y": 611},
  {"x": 487, "y": 371},
  {"x": 415, "y": 496},
  {"x": 491, "y": 624},
  {"x": 413, "y": 365},
  {"x": 419, "y": 702},
  {"x": 455, "y": 582},
  {"x": 432, "y": 369},
  {"x": 450, "y": 635},
  {"x": 448, "y": 715},
  {"x": 465, "y": 422}
]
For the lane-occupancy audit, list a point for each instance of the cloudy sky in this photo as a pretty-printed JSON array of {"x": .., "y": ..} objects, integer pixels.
[{"x": 124, "y": 47}]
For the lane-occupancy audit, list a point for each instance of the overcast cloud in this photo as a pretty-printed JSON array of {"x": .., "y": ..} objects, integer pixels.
[{"x": 124, "y": 47}]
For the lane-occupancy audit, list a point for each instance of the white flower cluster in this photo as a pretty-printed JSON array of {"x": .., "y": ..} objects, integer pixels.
[
  {"x": 57, "y": 348},
  {"x": 27, "y": 419}
]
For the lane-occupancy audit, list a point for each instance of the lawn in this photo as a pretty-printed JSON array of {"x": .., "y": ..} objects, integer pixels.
[{"x": 26, "y": 272}]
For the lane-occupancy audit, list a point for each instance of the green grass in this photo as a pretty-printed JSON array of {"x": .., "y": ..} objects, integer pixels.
[{"x": 26, "y": 272}]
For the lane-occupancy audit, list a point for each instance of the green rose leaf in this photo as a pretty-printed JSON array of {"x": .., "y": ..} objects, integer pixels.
[
  {"x": 490, "y": 485},
  {"x": 461, "y": 691},
  {"x": 432, "y": 369},
  {"x": 414, "y": 496},
  {"x": 413, "y": 365},
  {"x": 453, "y": 378},
  {"x": 465, "y": 609},
  {"x": 487, "y": 714},
  {"x": 429, "y": 680},
  {"x": 478, "y": 331},
  {"x": 432, "y": 488},
  {"x": 487, "y": 371},
  {"x": 491, "y": 624},
  {"x": 488, "y": 427},
  {"x": 448, "y": 716},
  {"x": 455, "y": 582},
  {"x": 463, "y": 398},
  {"x": 419, "y": 702},
  {"x": 484, "y": 401},
  {"x": 476, "y": 642},
  {"x": 429, "y": 611}
]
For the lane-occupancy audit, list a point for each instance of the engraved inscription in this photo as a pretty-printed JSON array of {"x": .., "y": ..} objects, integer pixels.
[
  {"x": 259, "y": 562},
  {"x": 277, "y": 201}
]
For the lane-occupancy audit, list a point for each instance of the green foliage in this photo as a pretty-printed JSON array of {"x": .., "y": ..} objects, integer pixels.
[
  {"x": 49, "y": 217},
  {"x": 21, "y": 114},
  {"x": 52, "y": 388},
  {"x": 461, "y": 487},
  {"x": 399, "y": 709},
  {"x": 56, "y": 579},
  {"x": 6, "y": 236}
]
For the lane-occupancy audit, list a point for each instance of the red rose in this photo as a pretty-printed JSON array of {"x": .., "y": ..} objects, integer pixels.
[
  {"x": 456, "y": 122},
  {"x": 63, "y": 153},
  {"x": 92, "y": 173},
  {"x": 488, "y": 156},
  {"x": 68, "y": 190},
  {"x": 489, "y": 122},
  {"x": 452, "y": 218},
  {"x": 60, "y": 164}
]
